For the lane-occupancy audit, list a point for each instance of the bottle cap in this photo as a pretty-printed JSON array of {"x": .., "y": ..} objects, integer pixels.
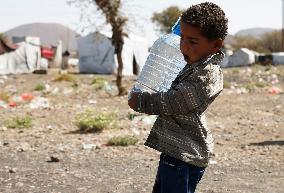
[{"x": 176, "y": 27}]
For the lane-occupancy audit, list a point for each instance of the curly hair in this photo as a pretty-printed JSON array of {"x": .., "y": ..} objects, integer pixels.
[{"x": 209, "y": 17}]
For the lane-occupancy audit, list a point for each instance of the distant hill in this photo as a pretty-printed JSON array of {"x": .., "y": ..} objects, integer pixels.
[
  {"x": 230, "y": 39},
  {"x": 49, "y": 34},
  {"x": 254, "y": 32}
]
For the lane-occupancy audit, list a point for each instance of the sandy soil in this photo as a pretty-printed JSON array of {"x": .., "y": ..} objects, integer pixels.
[{"x": 248, "y": 126}]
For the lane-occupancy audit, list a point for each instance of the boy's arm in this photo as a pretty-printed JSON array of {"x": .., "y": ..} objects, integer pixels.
[{"x": 186, "y": 97}]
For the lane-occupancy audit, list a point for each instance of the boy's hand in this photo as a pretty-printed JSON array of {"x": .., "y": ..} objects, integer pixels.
[{"x": 132, "y": 102}]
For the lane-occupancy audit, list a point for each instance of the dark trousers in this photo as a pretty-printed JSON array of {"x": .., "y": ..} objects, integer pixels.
[{"x": 176, "y": 176}]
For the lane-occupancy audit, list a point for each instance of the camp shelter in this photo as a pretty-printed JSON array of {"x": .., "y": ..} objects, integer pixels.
[
  {"x": 278, "y": 58},
  {"x": 96, "y": 54},
  {"x": 134, "y": 54},
  {"x": 25, "y": 59},
  {"x": 242, "y": 57}
]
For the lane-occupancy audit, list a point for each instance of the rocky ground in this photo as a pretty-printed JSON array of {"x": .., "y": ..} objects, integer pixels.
[{"x": 55, "y": 156}]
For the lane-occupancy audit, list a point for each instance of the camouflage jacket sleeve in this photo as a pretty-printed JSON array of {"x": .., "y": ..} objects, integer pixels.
[{"x": 193, "y": 94}]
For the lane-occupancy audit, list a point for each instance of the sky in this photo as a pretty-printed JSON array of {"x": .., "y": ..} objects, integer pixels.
[{"x": 242, "y": 14}]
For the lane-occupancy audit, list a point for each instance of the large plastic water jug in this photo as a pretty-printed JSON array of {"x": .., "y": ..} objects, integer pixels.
[{"x": 162, "y": 66}]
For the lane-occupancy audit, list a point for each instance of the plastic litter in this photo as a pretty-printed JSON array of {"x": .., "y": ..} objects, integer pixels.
[
  {"x": 39, "y": 102},
  {"x": 274, "y": 90}
]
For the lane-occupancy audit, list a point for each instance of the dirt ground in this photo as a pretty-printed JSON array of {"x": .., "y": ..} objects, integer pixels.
[{"x": 52, "y": 156}]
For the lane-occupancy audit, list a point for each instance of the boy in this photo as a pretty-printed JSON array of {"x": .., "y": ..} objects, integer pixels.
[{"x": 180, "y": 132}]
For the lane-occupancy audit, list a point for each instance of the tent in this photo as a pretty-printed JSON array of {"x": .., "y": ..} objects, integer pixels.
[
  {"x": 134, "y": 54},
  {"x": 96, "y": 54},
  {"x": 57, "y": 60},
  {"x": 278, "y": 58},
  {"x": 241, "y": 57},
  {"x": 25, "y": 59}
]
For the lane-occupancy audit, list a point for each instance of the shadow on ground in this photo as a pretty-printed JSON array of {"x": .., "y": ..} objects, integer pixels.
[{"x": 264, "y": 143}]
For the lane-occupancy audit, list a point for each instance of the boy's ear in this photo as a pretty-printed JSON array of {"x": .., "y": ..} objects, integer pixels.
[{"x": 218, "y": 45}]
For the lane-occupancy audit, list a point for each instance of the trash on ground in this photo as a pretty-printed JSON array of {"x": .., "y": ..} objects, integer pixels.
[
  {"x": 88, "y": 146},
  {"x": 274, "y": 90},
  {"x": 27, "y": 96},
  {"x": 39, "y": 102}
]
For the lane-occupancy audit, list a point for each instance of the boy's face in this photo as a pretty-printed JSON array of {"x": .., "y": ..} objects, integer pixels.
[{"x": 194, "y": 45}]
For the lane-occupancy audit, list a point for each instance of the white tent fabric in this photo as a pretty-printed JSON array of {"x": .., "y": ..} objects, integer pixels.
[
  {"x": 140, "y": 49},
  {"x": 242, "y": 57},
  {"x": 137, "y": 47},
  {"x": 26, "y": 59},
  {"x": 127, "y": 57},
  {"x": 96, "y": 54},
  {"x": 32, "y": 40},
  {"x": 73, "y": 62},
  {"x": 57, "y": 61},
  {"x": 278, "y": 58},
  {"x": 134, "y": 46}
]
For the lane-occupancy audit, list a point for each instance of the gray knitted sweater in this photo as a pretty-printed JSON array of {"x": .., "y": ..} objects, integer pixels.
[{"x": 180, "y": 129}]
